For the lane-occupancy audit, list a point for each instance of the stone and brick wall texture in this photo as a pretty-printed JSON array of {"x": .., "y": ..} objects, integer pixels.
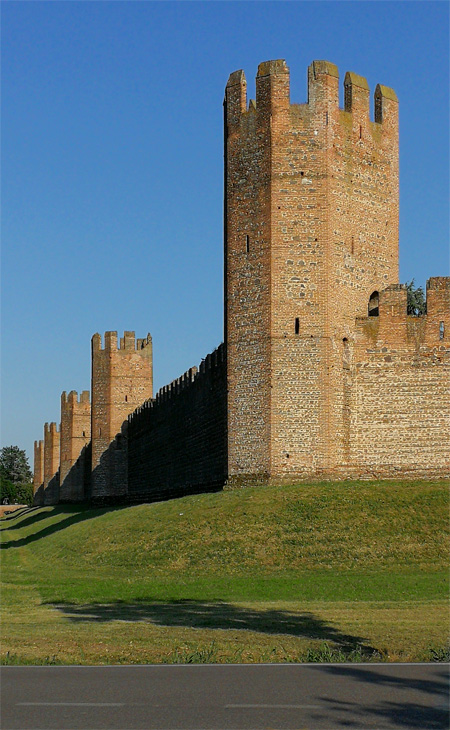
[
  {"x": 177, "y": 442},
  {"x": 122, "y": 379},
  {"x": 51, "y": 464},
  {"x": 398, "y": 392},
  {"x": 74, "y": 472},
  {"x": 38, "y": 473},
  {"x": 311, "y": 231}
]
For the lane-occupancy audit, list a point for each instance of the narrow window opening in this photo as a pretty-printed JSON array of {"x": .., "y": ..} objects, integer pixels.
[
  {"x": 353, "y": 245},
  {"x": 373, "y": 304},
  {"x": 326, "y": 118},
  {"x": 126, "y": 399},
  {"x": 84, "y": 434},
  {"x": 441, "y": 330},
  {"x": 360, "y": 131},
  {"x": 346, "y": 354},
  {"x": 302, "y": 173},
  {"x": 297, "y": 325},
  {"x": 247, "y": 244}
]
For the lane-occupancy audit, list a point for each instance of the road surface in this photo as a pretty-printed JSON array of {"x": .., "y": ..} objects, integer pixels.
[{"x": 229, "y": 697}]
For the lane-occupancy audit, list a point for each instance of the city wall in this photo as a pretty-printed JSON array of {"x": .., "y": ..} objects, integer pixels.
[
  {"x": 177, "y": 443},
  {"x": 397, "y": 394}
]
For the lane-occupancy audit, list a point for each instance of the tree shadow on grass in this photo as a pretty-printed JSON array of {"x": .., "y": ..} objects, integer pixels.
[
  {"x": 215, "y": 615},
  {"x": 75, "y": 514}
]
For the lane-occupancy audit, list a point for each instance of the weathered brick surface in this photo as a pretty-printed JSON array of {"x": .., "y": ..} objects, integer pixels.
[
  {"x": 122, "y": 379},
  {"x": 398, "y": 389},
  {"x": 75, "y": 437},
  {"x": 177, "y": 442},
  {"x": 38, "y": 474},
  {"x": 315, "y": 190},
  {"x": 51, "y": 464}
]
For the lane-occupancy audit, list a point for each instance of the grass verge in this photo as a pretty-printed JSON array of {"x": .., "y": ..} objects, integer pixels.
[{"x": 353, "y": 571}]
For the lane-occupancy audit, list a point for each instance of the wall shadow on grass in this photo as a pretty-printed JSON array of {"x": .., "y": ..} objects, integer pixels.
[
  {"x": 74, "y": 514},
  {"x": 215, "y": 615}
]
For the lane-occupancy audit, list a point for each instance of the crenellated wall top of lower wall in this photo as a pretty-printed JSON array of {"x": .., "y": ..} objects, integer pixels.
[
  {"x": 394, "y": 327},
  {"x": 194, "y": 375}
]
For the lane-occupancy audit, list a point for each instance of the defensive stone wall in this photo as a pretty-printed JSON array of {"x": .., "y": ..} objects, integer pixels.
[
  {"x": 177, "y": 442},
  {"x": 397, "y": 394},
  {"x": 322, "y": 374}
]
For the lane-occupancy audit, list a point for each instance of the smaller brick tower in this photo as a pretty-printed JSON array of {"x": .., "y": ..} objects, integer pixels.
[
  {"x": 122, "y": 379},
  {"x": 51, "y": 463},
  {"x": 75, "y": 437},
  {"x": 38, "y": 476}
]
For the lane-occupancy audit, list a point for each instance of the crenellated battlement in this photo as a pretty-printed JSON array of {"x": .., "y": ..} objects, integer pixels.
[
  {"x": 273, "y": 95},
  {"x": 73, "y": 398},
  {"x": 192, "y": 377},
  {"x": 51, "y": 428},
  {"x": 395, "y": 327},
  {"x": 127, "y": 343}
]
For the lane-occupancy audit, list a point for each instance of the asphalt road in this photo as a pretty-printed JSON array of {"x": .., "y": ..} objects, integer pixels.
[{"x": 238, "y": 697}]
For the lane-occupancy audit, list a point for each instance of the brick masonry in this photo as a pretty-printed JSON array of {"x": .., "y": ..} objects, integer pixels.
[
  {"x": 75, "y": 438},
  {"x": 177, "y": 442},
  {"x": 322, "y": 373},
  {"x": 38, "y": 473},
  {"x": 122, "y": 379},
  {"x": 51, "y": 464}
]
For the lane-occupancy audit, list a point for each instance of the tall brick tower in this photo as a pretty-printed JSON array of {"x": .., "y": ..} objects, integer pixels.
[
  {"x": 75, "y": 437},
  {"x": 311, "y": 236},
  {"x": 122, "y": 379}
]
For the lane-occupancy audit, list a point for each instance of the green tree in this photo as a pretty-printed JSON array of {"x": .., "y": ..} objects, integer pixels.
[
  {"x": 14, "y": 466},
  {"x": 416, "y": 302},
  {"x": 15, "y": 476}
]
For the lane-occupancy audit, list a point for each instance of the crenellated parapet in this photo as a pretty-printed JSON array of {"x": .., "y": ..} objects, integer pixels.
[
  {"x": 273, "y": 97},
  {"x": 126, "y": 344},
  {"x": 394, "y": 329},
  {"x": 195, "y": 377}
]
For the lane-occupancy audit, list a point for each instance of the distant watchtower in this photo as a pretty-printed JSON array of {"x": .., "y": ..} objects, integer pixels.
[
  {"x": 122, "y": 379},
  {"x": 311, "y": 232},
  {"x": 75, "y": 437}
]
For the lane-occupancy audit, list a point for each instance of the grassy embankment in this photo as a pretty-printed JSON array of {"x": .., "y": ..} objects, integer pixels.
[{"x": 352, "y": 570}]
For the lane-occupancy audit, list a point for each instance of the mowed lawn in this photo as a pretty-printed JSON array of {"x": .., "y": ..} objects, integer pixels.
[{"x": 344, "y": 571}]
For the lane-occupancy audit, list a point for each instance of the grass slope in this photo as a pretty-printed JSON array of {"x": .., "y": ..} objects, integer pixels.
[{"x": 357, "y": 569}]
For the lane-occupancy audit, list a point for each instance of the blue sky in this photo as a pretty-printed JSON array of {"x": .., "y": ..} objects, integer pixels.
[{"x": 112, "y": 181}]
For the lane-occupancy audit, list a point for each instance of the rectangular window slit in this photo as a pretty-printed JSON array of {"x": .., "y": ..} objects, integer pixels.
[
  {"x": 297, "y": 325},
  {"x": 441, "y": 330},
  {"x": 247, "y": 244}
]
